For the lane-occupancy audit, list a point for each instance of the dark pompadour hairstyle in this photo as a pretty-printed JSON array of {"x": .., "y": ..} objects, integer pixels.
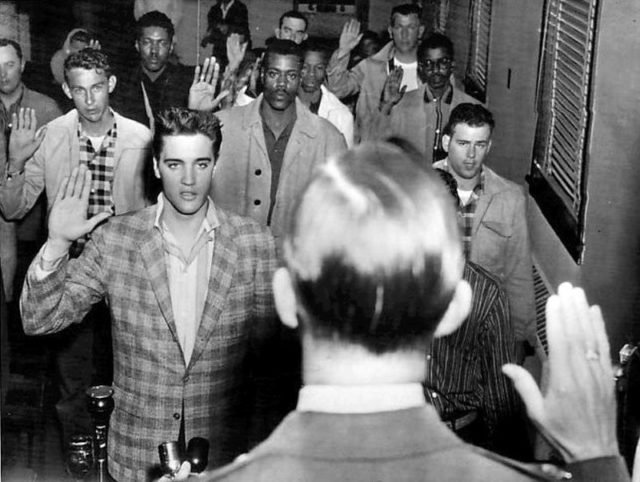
[
  {"x": 178, "y": 120},
  {"x": 5, "y": 42},
  {"x": 374, "y": 250},
  {"x": 155, "y": 19},
  {"x": 475, "y": 115},
  {"x": 436, "y": 41},
  {"x": 88, "y": 59},
  {"x": 405, "y": 9},
  {"x": 293, "y": 14},
  {"x": 283, "y": 47}
]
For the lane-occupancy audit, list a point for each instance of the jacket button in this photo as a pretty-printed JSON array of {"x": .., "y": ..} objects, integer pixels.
[
  {"x": 257, "y": 202},
  {"x": 176, "y": 416},
  {"x": 258, "y": 172}
]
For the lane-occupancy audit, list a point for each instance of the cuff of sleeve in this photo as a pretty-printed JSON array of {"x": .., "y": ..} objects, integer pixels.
[
  {"x": 48, "y": 261},
  {"x": 600, "y": 469}
]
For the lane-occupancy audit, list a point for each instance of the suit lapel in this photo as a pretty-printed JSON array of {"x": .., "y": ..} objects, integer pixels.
[
  {"x": 223, "y": 266},
  {"x": 153, "y": 255}
]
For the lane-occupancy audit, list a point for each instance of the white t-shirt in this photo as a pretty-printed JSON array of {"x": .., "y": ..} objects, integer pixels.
[{"x": 409, "y": 73}]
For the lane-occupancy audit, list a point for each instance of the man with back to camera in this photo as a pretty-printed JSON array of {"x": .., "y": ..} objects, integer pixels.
[
  {"x": 114, "y": 149},
  {"x": 15, "y": 95},
  {"x": 224, "y": 17},
  {"x": 421, "y": 115},
  {"x": 271, "y": 146},
  {"x": 372, "y": 231},
  {"x": 156, "y": 84},
  {"x": 492, "y": 215},
  {"x": 189, "y": 290},
  {"x": 369, "y": 76},
  {"x": 317, "y": 97}
]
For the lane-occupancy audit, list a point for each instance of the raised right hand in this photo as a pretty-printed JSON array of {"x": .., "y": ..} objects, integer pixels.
[
  {"x": 350, "y": 36},
  {"x": 25, "y": 138},
  {"x": 577, "y": 413},
  {"x": 393, "y": 90},
  {"x": 68, "y": 217}
]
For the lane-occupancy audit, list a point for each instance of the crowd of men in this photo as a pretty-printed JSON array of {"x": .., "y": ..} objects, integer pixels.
[{"x": 189, "y": 211}]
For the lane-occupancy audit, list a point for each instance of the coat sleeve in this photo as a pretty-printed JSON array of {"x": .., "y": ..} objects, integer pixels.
[
  {"x": 341, "y": 81},
  {"x": 519, "y": 275},
  {"x": 20, "y": 191},
  {"x": 63, "y": 297}
]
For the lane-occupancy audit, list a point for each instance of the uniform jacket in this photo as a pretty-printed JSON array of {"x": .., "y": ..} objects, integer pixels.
[
  {"x": 367, "y": 78},
  {"x": 404, "y": 445},
  {"x": 59, "y": 153},
  {"x": 500, "y": 244},
  {"x": 337, "y": 113},
  {"x": 242, "y": 179},
  {"x": 415, "y": 120},
  {"x": 124, "y": 263}
]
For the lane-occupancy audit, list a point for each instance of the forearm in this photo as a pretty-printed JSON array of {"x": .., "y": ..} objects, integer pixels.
[
  {"x": 16, "y": 196},
  {"x": 340, "y": 81}
]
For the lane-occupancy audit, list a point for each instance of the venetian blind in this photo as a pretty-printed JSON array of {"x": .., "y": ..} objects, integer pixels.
[{"x": 478, "y": 64}]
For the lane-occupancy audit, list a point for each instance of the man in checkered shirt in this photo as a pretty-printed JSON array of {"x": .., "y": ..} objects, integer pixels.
[
  {"x": 492, "y": 215},
  {"x": 114, "y": 149}
]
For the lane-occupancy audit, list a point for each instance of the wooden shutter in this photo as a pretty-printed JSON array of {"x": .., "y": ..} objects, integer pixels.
[
  {"x": 558, "y": 174},
  {"x": 478, "y": 63}
]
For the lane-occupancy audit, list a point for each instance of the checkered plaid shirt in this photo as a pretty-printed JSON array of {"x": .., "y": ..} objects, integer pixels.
[
  {"x": 466, "y": 213},
  {"x": 101, "y": 163}
]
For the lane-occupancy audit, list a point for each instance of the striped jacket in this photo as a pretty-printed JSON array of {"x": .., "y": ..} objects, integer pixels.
[{"x": 124, "y": 263}]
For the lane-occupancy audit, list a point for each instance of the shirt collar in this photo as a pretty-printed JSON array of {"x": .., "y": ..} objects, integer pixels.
[
  {"x": 447, "y": 97},
  {"x": 479, "y": 187},
  {"x": 360, "y": 398},
  {"x": 112, "y": 129},
  {"x": 209, "y": 223}
]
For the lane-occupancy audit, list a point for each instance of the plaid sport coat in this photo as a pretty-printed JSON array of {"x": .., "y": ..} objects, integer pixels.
[{"x": 124, "y": 263}]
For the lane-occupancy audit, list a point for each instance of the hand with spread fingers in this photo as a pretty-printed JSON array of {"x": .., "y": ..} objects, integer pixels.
[
  {"x": 577, "y": 413},
  {"x": 95, "y": 44},
  {"x": 392, "y": 91},
  {"x": 25, "y": 137},
  {"x": 183, "y": 474},
  {"x": 68, "y": 217},
  {"x": 202, "y": 94}
]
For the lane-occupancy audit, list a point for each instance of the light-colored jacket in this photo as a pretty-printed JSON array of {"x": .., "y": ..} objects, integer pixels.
[
  {"x": 367, "y": 77},
  {"x": 59, "y": 153},
  {"x": 415, "y": 120},
  {"x": 242, "y": 178},
  {"x": 500, "y": 244},
  {"x": 337, "y": 113}
]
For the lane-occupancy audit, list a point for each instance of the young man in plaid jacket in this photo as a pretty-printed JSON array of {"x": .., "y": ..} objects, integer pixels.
[{"x": 189, "y": 291}]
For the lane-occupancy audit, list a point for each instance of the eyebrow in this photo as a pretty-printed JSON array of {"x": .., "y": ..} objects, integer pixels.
[{"x": 175, "y": 159}]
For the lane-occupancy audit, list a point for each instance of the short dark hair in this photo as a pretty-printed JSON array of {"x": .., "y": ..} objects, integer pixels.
[
  {"x": 155, "y": 18},
  {"x": 81, "y": 36},
  {"x": 311, "y": 45},
  {"x": 175, "y": 121},
  {"x": 88, "y": 59},
  {"x": 374, "y": 250},
  {"x": 5, "y": 42},
  {"x": 293, "y": 14},
  {"x": 282, "y": 47},
  {"x": 436, "y": 41},
  {"x": 405, "y": 9},
  {"x": 475, "y": 115}
]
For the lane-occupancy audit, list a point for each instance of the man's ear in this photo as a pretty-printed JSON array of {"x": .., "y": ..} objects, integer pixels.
[
  {"x": 112, "y": 83},
  {"x": 156, "y": 171},
  {"x": 137, "y": 46},
  {"x": 66, "y": 90},
  {"x": 488, "y": 146},
  {"x": 23, "y": 63},
  {"x": 457, "y": 311},
  {"x": 306, "y": 36},
  {"x": 285, "y": 297},
  {"x": 446, "y": 139},
  {"x": 276, "y": 31},
  {"x": 420, "y": 31}
]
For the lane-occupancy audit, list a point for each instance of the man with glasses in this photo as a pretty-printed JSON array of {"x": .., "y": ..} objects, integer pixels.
[
  {"x": 419, "y": 116},
  {"x": 368, "y": 77},
  {"x": 156, "y": 84}
]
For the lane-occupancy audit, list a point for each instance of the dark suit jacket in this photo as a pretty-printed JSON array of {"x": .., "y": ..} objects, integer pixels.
[
  {"x": 124, "y": 263},
  {"x": 404, "y": 445}
]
